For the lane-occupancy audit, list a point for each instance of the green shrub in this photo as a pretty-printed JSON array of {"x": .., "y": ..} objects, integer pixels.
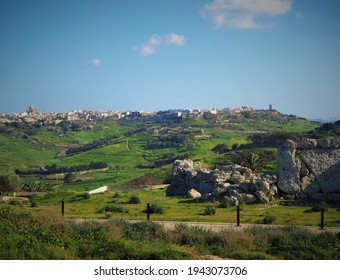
[
  {"x": 318, "y": 208},
  {"x": 34, "y": 203},
  {"x": 157, "y": 209},
  {"x": 224, "y": 204},
  {"x": 134, "y": 199},
  {"x": 210, "y": 210},
  {"x": 145, "y": 231},
  {"x": 16, "y": 201},
  {"x": 86, "y": 195},
  {"x": 268, "y": 219},
  {"x": 117, "y": 195},
  {"x": 114, "y": 208}
]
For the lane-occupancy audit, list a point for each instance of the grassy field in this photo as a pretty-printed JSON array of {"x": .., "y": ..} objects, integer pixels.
[{"x": 176, "y": 208}]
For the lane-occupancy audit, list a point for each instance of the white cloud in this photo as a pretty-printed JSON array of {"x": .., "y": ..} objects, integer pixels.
[
  {"x": 241, "y": 13},
  {"x": 94, "y": 63},
  {"x": 156, "y": 42},
  {"x": 174, "y": 39}
]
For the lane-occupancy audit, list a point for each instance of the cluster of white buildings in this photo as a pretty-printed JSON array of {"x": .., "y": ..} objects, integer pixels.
[{"x": 32, "y": 115}]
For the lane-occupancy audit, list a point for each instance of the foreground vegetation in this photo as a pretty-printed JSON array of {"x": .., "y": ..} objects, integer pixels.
[{"x": 24, "y": 236}]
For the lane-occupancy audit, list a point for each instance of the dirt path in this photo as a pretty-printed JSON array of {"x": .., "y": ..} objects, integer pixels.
[
  {"x": 170, "y": 225},
  {"x": 135, "y": 188}
]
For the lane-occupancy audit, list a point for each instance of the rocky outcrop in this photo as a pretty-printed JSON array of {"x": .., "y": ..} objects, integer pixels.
[
  {"x": 233, "y": 183},
  {"x": 316, "y": 175},
  {"x": 289, "y": 168},
  {"x": 308, "y": 169}
]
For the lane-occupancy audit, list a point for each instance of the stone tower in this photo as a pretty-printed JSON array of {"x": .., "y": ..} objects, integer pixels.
[{"x": 31, "y": 110}]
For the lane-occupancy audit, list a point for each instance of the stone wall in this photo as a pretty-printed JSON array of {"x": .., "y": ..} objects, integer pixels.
[{"x": 310, "y": 168}]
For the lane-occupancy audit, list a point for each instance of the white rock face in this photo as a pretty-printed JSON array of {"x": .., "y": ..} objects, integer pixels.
[{"x": 289, "y": 168}]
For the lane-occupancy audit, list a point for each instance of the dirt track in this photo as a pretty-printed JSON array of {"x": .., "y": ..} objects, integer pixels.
[{"x": 218, "y": 226}]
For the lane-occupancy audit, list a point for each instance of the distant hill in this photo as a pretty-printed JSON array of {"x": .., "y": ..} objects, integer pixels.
[
  {"x": 137, "y": 147},
  {"x": 326, "y": 130}
]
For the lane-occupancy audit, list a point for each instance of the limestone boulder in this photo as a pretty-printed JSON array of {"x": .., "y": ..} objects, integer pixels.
[
  {"x": 306, "y": 143},
  {"x": 219, "y": 188},
  {"x": 233, "y": 201},
  {"x": 204, "y": 187},
  {"x": 218, "y": 176},
  {"x": 192, "y": 193},
  {"x": 187, "y": 165},
  {"x": 309, "y": 184},
  {"x": 202, "y": 175},
  {"x": 289, "y": 168},
  {"x": 236, "y": 178},
  {"x": 236, "y": 167},
  {"x": 261, "y": 197},
  {"x": 274, "y": 189},
  {"x": 248, "y": 198},
  {"x": 329, "y": 143},
  {"x": 262, "y": 186},
  {"x": 324, "y": 164},
  {"x": 244, "y": 188}
]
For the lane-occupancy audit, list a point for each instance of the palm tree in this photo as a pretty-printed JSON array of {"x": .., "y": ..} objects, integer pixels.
[{"x": 252, "y": 161}]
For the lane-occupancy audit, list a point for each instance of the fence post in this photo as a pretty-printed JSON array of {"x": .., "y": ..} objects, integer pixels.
[
  {"x": 62, "y": 208},
  {"x": 148, "y": 211},
  {"x": 238, "y": 215},
  {"x": 322, "y": 223}
]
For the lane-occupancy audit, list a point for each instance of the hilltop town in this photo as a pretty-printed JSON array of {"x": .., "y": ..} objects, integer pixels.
[{"x": 44, "y": 118}]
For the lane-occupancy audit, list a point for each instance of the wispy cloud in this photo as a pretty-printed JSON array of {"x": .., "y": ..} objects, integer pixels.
[
  {"x": 93, "y": 63},
  {"x": 174, "y": 39},
  {"x": 242, "y": 13},
  {"x": 156, "y": 42}
]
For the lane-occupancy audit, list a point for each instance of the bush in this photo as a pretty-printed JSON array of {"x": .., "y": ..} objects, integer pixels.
[
  {"x": 86, "y": 195},
  {"x": 15, "y": 201},
  {"x": 114, "y": 208},
  {"x": 134, "y": 199},
  {"x": 268, "y": 219},
  {"x": 210, "y": 210},
  {"x": 224, "y": 204},
  {"x": 117, "y": 195},
  {"x": 34, "y": 203},
  {"x": 318, "y": 208},
  {"x": 157, "y": 209}
]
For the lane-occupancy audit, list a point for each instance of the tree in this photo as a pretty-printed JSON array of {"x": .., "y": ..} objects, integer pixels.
[
  {"x": 220, "y": 149},
  {"x": 69, "y": 178},
  {"x": 9, "y": 183},
  {"x": 251, "y": 160}
]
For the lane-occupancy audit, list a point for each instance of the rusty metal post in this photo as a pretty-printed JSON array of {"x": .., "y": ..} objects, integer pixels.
[
  {"x": 62, "y": 208},
  {"x": 238, "y": 215},
  {"x": 322, "y": 223},
  {"x": 148, "y": 211}
]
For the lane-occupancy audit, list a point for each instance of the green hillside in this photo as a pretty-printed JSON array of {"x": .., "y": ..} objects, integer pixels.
[{"x": 135, "y": 148}]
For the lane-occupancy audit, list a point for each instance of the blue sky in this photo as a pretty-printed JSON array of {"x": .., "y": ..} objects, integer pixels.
[{"x": 164, "y": 54}]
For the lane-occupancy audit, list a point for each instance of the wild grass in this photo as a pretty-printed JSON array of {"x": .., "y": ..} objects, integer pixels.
[
  {"x": 175, "y": 208},
  {"x": 24, "y": 236}
]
